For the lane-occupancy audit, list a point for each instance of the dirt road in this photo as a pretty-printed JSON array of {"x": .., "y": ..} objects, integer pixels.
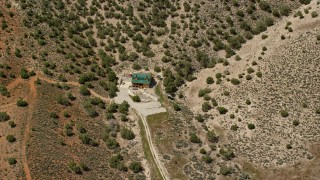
[{"x": 145, "y": 109}]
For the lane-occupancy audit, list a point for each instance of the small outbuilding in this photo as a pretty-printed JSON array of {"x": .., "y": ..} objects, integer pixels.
[{"x": 141, "y": 80}]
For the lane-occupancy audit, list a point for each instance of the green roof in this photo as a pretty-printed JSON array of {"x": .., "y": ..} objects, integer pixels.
[{"x": 141, "y": 78}]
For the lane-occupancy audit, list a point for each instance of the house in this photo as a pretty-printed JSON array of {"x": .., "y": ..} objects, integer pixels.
[{"x": 141, "y": 80}]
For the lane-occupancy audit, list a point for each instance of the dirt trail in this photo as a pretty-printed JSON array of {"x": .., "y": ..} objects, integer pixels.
[
  {"x": 31, "y": 100},
  {"x": 155, "y": 155}
]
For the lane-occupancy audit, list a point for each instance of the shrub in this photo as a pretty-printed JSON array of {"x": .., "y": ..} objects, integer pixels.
[
  {"x": 135, "y": 167},
  {"x": 224, "y": 170},
  {"x": 203, "y": 151},
  {"x": 234, "y": 127},
  {"x": 73, "y": 167},
  {"x": 22, "y": 103},
  {"x": 176, "y": 107},
  {"x": 259, "y": 74},
  {"x": 157, "y": 69},
  {"x": 207, "y": 159},
  {"x": 12, "y": 161},
  {"x": 248, "y": 102},
  {"x": 314, "y": 14},
  {"x": 116, "y": 162},
  {"x": 288, "y": 146},
  {"x": 91, "y": 112},
  {"x": 199, "y": 118},
  {"x": 136, "y": 98},
  {"x": 4, "y": 116},
  {"x": 248, "y": 77},
  {"x": 84, "y": 90},
  {"x": 305, "y": 1},
  {"x": 12, "y": 124},
  {"x": 210, "y": 80},
  {"x": 227, "y": 154},
  {"x": 235, "y": 81},
  {"x": 264, "y": 36},
  {"x": 285, "y": 10},
  {"x": 24, "y": 73},
  {"x": 284, "y": 113},
  {"x": 112, "y": 143},
  {"x": 127, "y": 134},
  {"x": 10, "y": 138},
  {"x": 204, "y": 91},
  {"x": 194, "y": 138},
  {"x": 250, "y": 70},
  {"x": 295, "y": 122},
  {"x": 124, "y": 107},
  {"x": 54, "y": 115},
  {"x": 251, "y": 126},
  {"x": 63, "y": 100},
  {"x": 222, "y": 110},
  {"x": 206, "y": 107},
  {"x": 265, "y": 6},
  {"x": 212, "y": 137}
]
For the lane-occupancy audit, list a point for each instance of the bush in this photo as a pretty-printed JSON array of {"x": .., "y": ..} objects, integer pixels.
[
  {"x": 116, "y": 162},
  {"x": 207, "y": 159},
  {"x": 305, "y": 1},
  {"x": 203, "y": 151},
  {"x": 204, "y": 91},
  {"x": 84, "y": 90},
  {"x": 124, "y": 107},
  {"x": 12, "y": 161},
  {"x": 259, "y": 74},
  {"x": 4, "y": 116},
  {"x": 206, "y": 107},
  {"x": 176, "y": 107},
  {"x": 135, "y": 167},
  {"x": 136, "y": 98},
  {"x": 289, "y": 146},
  {"x": 73, "y": 167},
  {"x": 251, "y": 126},
  {"x": 235, "y": 81},
  {"x": 12, "y": 124},
  {"x": 248, "y": 77},
  {"x": 265, "y": 6},
  {"x": 199, "y": 118},
  {"x": 264, "y": 36},
  {"x": 314, "y": 14},
  {"x": 248, "y": 102},
  {"x": 54, "y": 115},
  {"x": 222, "y": 110},
  {"x": 224, "y": 170},
  {"x": 234, "y": 127},
  {"x": 210, "y": 80},
  {"x": 212, "y": 137},
  {"x": 295, "y": 122},
  {"x": 284, "y": 113},
  {"x": 157, "y": 69},
  {"x": 227, "y": 154},
  {"x": 127, "y": 134},
  {"x": 24, "y": 73},
  {"x": 63, "y": 100},
  {"x": 194, "y": 138},
  {"x": 10, "y": 138},
  {"x": 22, "y": 103}
]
